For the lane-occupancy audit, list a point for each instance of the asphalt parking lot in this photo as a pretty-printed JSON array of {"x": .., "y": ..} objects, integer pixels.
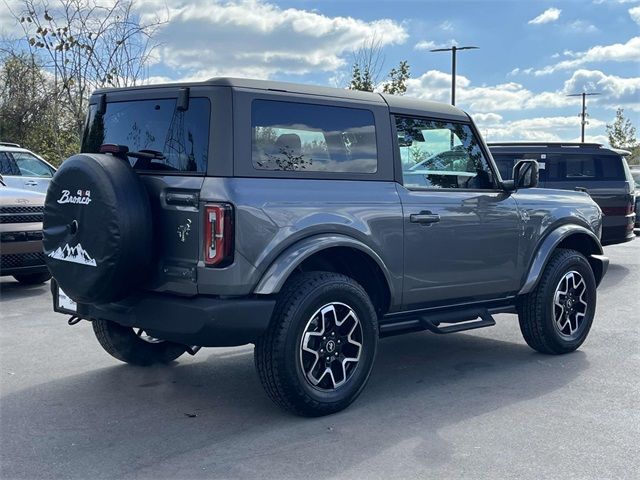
[{"x": 470, "y": 405}]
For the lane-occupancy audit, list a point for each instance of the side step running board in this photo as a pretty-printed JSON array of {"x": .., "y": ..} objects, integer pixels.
[
  {"x": 457, "y": 320},
  {"x": 481, "y": 319}
]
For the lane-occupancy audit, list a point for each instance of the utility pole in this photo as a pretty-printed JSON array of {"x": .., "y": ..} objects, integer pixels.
[
  {"x": 453, "y": 51},
  {"x": 583, "y": 115}
]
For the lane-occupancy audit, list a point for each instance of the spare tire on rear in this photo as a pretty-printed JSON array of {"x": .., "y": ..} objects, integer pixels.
[{"x": 97, "y": 228}]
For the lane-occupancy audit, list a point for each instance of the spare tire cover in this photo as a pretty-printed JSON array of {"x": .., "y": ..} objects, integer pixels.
[{"x": 97, "y": 228}]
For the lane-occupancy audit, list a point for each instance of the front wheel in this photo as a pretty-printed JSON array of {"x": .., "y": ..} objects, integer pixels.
[
  {"x": 134, "y": 346},
  {"x": 556, "y": 316},
  {"x": 318, "y": 352}
]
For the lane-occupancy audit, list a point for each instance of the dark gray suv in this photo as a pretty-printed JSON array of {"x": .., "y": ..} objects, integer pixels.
[
  {"x": 311, "y": 222},
  {"x": 601, "y": 172}
]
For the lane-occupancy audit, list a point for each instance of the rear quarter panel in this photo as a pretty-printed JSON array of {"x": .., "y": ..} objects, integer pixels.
[{"x": 271, "y": 215}]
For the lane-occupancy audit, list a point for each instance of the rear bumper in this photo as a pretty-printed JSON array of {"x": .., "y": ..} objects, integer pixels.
[
  {"x": 618, "y": 229},
  {"x": 203, "y": 321}
]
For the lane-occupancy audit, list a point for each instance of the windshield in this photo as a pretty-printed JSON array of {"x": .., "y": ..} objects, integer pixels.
[
  {"x": 636, "y": 177},
  {"x": 182, "y": 137}
]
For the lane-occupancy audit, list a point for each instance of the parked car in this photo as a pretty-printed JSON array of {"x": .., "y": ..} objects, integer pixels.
[
  {"x": 21, "y": 235},
  {"x": 635, "y": 173},
  {"x": 601, "y": 172},
  {"x": 22, "y": 168},
  {"x": 260, "y": 212}
]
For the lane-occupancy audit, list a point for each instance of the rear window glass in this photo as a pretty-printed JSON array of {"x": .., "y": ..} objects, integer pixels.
[
  {"x": 289, "y": 136},
  {"x": 181, "y": 138}
]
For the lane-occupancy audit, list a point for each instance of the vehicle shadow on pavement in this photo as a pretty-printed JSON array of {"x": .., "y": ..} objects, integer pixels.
[
  {"x": 10, "y": 290},
  {"x": 208, "y": 416},
  {"x": 616, "y": 273}
]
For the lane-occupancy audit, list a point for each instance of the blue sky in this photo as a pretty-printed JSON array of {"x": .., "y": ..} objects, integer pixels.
[{"x": 532, "y": 53}]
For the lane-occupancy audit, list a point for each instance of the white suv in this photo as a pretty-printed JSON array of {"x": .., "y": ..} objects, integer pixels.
[{"x": 22, "y": 168}]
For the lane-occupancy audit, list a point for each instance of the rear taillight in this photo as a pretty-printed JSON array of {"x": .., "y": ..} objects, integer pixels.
[{"x": 218, "y": 234}]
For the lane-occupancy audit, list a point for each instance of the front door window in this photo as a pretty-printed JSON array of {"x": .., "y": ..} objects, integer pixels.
[{"x": 439, "y": 154}]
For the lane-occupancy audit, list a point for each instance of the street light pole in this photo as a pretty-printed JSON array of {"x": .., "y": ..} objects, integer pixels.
[
  {"x": 453, "y": 51},
  {"x": 583, "y": 115}
]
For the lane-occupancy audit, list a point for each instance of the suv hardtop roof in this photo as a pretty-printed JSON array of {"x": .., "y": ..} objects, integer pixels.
[
  {"x": 544, "y": 144},
  {"x": 6, "y": 147},
  {"x": 397, "y": 104},
  {"x": 556, "y": 147}
]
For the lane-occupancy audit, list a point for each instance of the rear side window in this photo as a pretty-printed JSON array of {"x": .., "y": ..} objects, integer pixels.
[
  {"x": 181, "y": 138},
  {"x": 7, "y": 165},
  {"x": 505, "y": 165},
  {"x": 288, "y": 136},
  {"x": 584, "y": 168},
  {"x": 31, "y": 166}
]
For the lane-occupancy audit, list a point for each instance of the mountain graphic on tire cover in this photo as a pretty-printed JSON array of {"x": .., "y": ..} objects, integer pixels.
[{"x": 75, "y": 254}]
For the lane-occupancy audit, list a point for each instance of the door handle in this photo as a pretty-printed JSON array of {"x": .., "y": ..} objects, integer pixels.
[
  {"x": 424, "y": 217},
  {"x": 31, "y": 183},
  {"x": 185, "y": 199}
]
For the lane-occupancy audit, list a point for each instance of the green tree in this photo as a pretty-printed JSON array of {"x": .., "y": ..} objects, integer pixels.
[
  {"x": 86, "y": 44},
  {"x": 622, "y": 134},
  {"x": 397, "y": 84},
  {"x": 27, "y": 113},
  {"x": 366, "y": 70},
  {"x": 361, "y": 79}
]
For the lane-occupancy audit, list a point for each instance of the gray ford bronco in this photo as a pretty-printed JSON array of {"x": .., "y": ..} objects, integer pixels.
[{"x": 310, "y": 222}]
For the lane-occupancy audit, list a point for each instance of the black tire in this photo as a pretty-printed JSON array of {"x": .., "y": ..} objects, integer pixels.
[
  {"x": 33, "y": 278},
  {"x": 123, "y": 344},
  {"x": 279, "y": 354},
  {"x": 537, "y": 312}
]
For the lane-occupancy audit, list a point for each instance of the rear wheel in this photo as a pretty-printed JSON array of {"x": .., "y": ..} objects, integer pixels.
[
  {"x": 33, "y": 278},
  {"x": 317, "y": 354},
  {"x": 133, "y": 345},
  {"x": 557, "y": 315}
]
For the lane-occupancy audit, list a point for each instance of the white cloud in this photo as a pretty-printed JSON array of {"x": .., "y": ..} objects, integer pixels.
[
  {"x": 548, "y": 129},
  {"x": 617, "y": 52},
  {"x": 252, "y": 38},
  {"x": 436, "y": 85},
  {"x": 514, "y": 97},
  {"x": 430, "y": 44},
  {"x": 487, "y": 119},
  {"x": 549, "y": 15},
  {"x": 446, "y": 26},
  {"x": 615, "y": 91},
  {"x": 582, "y": 26},
  {"x": 635, "y": 14},
  {"x": 425, "y": 45}
]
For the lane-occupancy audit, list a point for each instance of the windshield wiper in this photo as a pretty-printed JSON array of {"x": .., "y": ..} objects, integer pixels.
[{"x": 144, "y": 157}]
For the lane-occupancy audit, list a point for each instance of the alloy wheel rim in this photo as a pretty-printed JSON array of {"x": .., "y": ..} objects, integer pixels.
[
  {"x": 570, "y": 304},
  {"x": 331, "y": 346}
]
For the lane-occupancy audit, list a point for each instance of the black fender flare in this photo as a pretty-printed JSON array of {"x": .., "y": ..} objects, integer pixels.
[
  {"x": 283, "y": 266},
  {"x": 592, "y": 250}
]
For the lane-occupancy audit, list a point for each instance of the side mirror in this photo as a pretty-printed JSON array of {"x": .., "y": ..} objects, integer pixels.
[{"x": 526, "y": 174}]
